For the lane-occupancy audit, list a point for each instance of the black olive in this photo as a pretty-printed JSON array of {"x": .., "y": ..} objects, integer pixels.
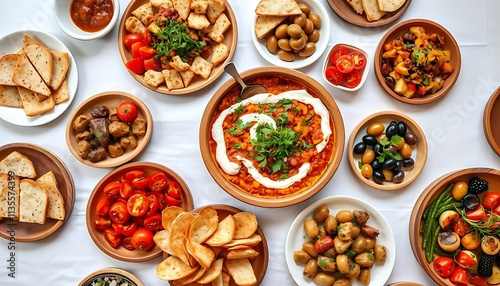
[
  {"x": 402, "y": 128},
  {"x": 393, "y": 149},
  {"x": 370, "y": 140},
  {"x": 389, "y": 163},
  {"x": 391, "y": 130},
  {"x": 378, "y": 177},
  {"x": 407, "y": 163},
  {"x": 471, "y": 201},
  {"x": 398, "y": 177},
  {"x": 410, "y": 138},
  {"x": 398, "y": 166},
  {"x": 376, "y": 165},
  {"x": 359, "y": 148},
  {"x": 378, "y": 148},
  {"x": 391, "y": 83}
]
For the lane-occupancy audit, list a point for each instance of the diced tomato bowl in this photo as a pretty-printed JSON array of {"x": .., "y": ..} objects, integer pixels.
[
  {"x": 346, "y": 67},
  {"x": 124, "y": 209}
]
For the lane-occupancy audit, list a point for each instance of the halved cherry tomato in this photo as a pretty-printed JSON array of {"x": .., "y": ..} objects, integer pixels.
[
  {"x": 126, "y": 189},
  {"x": 461, "y": 227},
  {"x": 139, "y": 221},
  {"x": 476, "y": 279},
  {"x": 162, "y": 202},
  {"x": 130, "y": 39},
  {"x": 118, "y": 227},
  {"x": 460, "y": 276},
  {"x": 476, "y": 214},
  {"x": 359, "y": 60},
  {"x": 112, "y": 237},
  {"x": 323, "y": 243},
  {"x": 172, "y": 202},
  {"x": 491, "y": 200},
  {"x": 147, "y": 52},
  {"x": 127, "y": 243},
  {"x": 148, "y": 37},
  {"x": 135, "y": 49},
  {"x": 345, "y": 64},
  {"x": 129, "y": 228},
  {"x": 131, "y": 175},
  {"x": 497, "y": 210},
  {"x": 352, "y": 79},
  {"x": 152, "y": 64},
  {"x": 138, "y": 205},
  {"x": 153, "y": 222},
  {"x": 333, "y": 75},
  {"x": 143, "y": 239},
  {"x": 136, "y": 65},
  {"x": 336, "y": 53},
  {"x": 443, "y": 266},
  {"x": 174, "y": 190},
  {"x": 141, "y": 182},
  {"x": 104, "y": 205},
  {"x": 118, "y": 212},
  {"x": 102, "y": 222},
  {"x": 157, "y": 182},
  {"x": 154, "y": 204},
  {"x": 140, "y": 191},
  {"x": 466, "y": 259},
  {"x": 112, "y": 189}
]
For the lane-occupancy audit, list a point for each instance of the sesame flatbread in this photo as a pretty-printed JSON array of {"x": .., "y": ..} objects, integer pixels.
[
  {"x": 277, "y": 8},
  {"x": 31, "y": 105},
  {"x": 372, "y": 10},
  {"x": 41, "y": 58},
  {"x": 55, "y": 207},
  {"x": 28, "y": 40},
  {"x": 172, "y": 268},
  {"x": 201, "y": 67},
  {"x": 33, "y": 201},
  {"x": 144, "y": 13},
  {"x": 4, "y": 195},
  {"x": 265, "y": 24},
  {"x": 26, "y": 76},
  {"x": 390, "y": 5},
  {"x": 19, "y": 164},
  {"x": 215, "y": 9},
  {"x": 7, "y": 65},
  {"x": 182, "y": 7},
  {"x": 357, "y": 6},
  {"x": 9, "y": 96},
  {"x": 60, "y": 67},
  {"x": 62, "y": 94}
]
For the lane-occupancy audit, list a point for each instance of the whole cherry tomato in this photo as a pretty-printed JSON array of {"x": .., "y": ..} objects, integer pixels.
[
  {"x": 130, "y": 39},
  {"x": 443, "y": 266},
  {"x": 323, "y": 243},
  {"x": 112, "y": 237},
  {"x": 138, "y": 205},
  {"x": 127, "y": 111},
  {"x": 118, "y": 212},
  {"x": 143, "y": 239},
  {"x": 157, "y": 182}
]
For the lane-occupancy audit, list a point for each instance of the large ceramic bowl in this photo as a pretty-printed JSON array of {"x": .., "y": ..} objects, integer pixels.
[
  {"x": 491, "y": 118},
  {"x": 430, "y": 27},
  {"x": 97, "y": 194},
  {"x": 271, "y": 76},
  {"x": 428, "y": 196},
  {"x": 418, "y": 154}
]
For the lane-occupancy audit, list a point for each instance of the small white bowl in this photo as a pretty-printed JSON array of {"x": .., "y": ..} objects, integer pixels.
[
  {"x": 299, "y": 62},
  {"x": 364, "y": 74},
  {"x": 61, "y": 11}
]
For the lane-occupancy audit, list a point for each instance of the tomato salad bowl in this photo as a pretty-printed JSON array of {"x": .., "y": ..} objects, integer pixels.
[
  {"x": 273, "y": 149},
  {"x": 124, "y": 209}
]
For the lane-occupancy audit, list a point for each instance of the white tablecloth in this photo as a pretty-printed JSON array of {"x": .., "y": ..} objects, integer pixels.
[{"x": 453, "y": 127}]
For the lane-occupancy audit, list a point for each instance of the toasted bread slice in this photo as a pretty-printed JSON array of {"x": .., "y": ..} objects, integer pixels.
[
  {"x": 26, "y": 76},
  {"x": 9, "y": 96},
  {"x": 32, "y": 106},
  {"x": 55, "y": 209},
  {"x": 372, "y": 10},
  {"x": 33, "y": 202},
  {"x": 61, "y": 94},
  {"x": 28, "y": 40},
  {"x": 390, "y": 5},
  {"x": 265, "y": 24},
  {"x": 19, "y": 164},
  {"x": 41, "y": 59},
  {"x": 9, "y": 192},
  {"x": 7, "y": 66},
  {"x": 277, "y": 8},
  {"x": 60, "y": 67},
  {"x": 357, "y": 6}
]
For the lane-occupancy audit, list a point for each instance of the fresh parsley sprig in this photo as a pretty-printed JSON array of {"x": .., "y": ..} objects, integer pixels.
[
  {"x": 173, "y": 37},
  {"x": 386, "y": 153}
]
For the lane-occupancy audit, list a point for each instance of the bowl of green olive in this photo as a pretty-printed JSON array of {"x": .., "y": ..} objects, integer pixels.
[{"x": 387, "y": 150}]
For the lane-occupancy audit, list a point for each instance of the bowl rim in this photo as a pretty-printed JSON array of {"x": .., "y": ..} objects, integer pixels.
[
  {"x": 83, "y": 35},
  {"x": 152, "y": 253},
  {"x": 388, "y": 186},
  {"x": 418, "y": 209},
  {"x": 487, "y": 124},
  {"x": 112, "y": 162},
  {"x": 428, "y": 98},
  {"x": 112, "y": 271},
  {"x": 364, "y": 75},
  {"x": 213, "y": 169}
]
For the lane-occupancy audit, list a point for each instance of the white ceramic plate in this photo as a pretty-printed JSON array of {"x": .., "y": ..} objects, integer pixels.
[
  {"x": 299, "y": 62},
  {"x": 10, "y": 44},
  {"x": 379, "y": 273}
]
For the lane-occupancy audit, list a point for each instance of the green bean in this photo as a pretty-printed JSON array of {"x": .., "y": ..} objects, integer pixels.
[
  {"x": 444, "y": 208},
  {"x": 428, "y": 210},
  {"x": 429, "y": 255},
  {"x": 448, "y": 200},
  {"x": 431, "y": 219},
  {"x": 441, "y": 252},
  {"x": 441, "y": 198}
]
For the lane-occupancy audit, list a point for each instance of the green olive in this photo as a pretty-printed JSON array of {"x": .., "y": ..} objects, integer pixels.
[
  {"x": 375, "y": 129},
  {"x": 300, "y": 20},
  {"x": 298, "y": 43},
  {"x": 314, "y": 36},
  {"x": 308, "y": 50},
  {"x": 284, "y": 44},
  {"x": 315, "y": 19},
  {"x": 272, "y": 44},
  {"x": 286, "y": 56},
  {"x": 367, "y": 171},
  {"x": 308, "y": 27},
  {"x": 294, "y": 31},
  {"x": 405, "y": 151},
  {"x": 281, "y": 31},
  {"x": 368, "y": 156},
  {"x": 388, "y": 174},
  {"x": 305, "y": 9}
]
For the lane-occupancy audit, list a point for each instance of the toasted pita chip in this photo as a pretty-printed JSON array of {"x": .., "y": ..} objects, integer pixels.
[
  {"x": 7, "y": 65},
  {"x": 161, "y": 3},
  {"x": 154, "y": 78},
  {"x": 26, "y": 76},
  {"x": 41, "y": 58},
  {"x": 31, "y": 105},
  {"x": 173, "y": 79},
  {"x": 372, "y": 10},
  {"x": 251, "y": 241},
  {"x": 215, "y": 9},
  {"x": 9, "y": 184},
  {"x": 266, "y": 24},
  {"x": 178, "y": 64},
  {"x": 219, "y": 53},
  {"x": 203, "y": 254},
  {"x": 33, "y": 201},
  {"x": 182, "y": 7},
  {"x": 62, "y": 94},
  {"x": 144, "y": 13},
  {"x": 199, "y": 6},
  {"x": 277, "y": 8},
  {"x": 187, "y": 77},
  {"x": 9, "y": 96},
  {"x": 134, "y": 25},
  {"x": 162, "y": 240},
  {"x": 191, "y": 278},
  {"x": 245, "y": 224},
  {"x": 242, "y": 253},
  {"x": 19, "y": 164},
  {"x": 172, "y": 268},
  {"x": 168, "y": 215},
  {"x": 203, "y": 225},
  {"x": 220, "y": 27},
  {"x": 225, "y": 279},
  {"x": 357, "y": 6},
  {"x": 28, "y": 40},
  {"x": 60, "y": 62},
  {"x": 201, "y": 67},
  {"x": 241, "y": 270},
  {"x": 55, "y": 207},
  {"x": 218, "y": 280},
  {"x": 224, "y": 232},
  {"x": 390, "y": 5},
  {"x": 197, "y": 21},
  {"x": 178, "y": 236},
  {"x": 212, "y": 272}
]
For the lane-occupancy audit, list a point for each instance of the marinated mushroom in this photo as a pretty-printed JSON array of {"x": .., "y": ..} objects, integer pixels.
[
  {"x": 100, "y": 129},
  {"x": 370, "y": 242},
  {"x": 344, "y": 231},
  {"x": 97, "y": 154},
  {"x": 100, "y": 111},
  {"x": 83, "y": 149},
  {"x": 361, "y": 216},
  {"x": 139, "y": 127},
  {"x": 364, "y": 259},
  {"x": 359, "y": 244},
  {"x": 311, "y": 228},
  {"x": 128, "y": 142},
  {"x": 113, "y": 114},
  {"x": 115, "y": 150},
  {"x": 341, "y": 245},
  {"x": 81, "y": 123},
  {"x": 342, "y": 281},
  {"x": 343, "y": 263},
  {"x": 331, "y": 224},
  {"x": 327, "y": 263},
  {"x": 364, "y": 276},
  {"x": 310, "y": 269},
  {"x": 380, "y": 253},
  {"x": 85, "y": 135},
  {"x": 354, "y": 270},
  {"x": 301, "y": 257},
  {"x": 308, "y": 247},
  {"x": 119, "y": 129},
  {"x": 344, "y": 216},
  {"x": 324, "y": 279},
  {"x": 321, "y": 214}
]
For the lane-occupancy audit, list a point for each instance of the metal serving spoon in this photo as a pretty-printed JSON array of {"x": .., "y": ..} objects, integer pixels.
[{"x": 246, "y": 90}]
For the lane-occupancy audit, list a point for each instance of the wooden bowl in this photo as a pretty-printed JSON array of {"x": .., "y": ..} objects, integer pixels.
[
  {"x": 230, "y": 40},
  {"x": 274, "y": 201},
  {"x": 404, "y": 283},
  {"x": 419, "y": 150},
  {"x": 109, "y": 99},
  {"x": 491, "y": 118},
  {"x": 428, "y": 196},
  {"x": 148, "y": 168},
  {"x": 347, "y": 13},
  {"x": 430, "y": 27},
  {"x": 259, "y": 263},
  {"x": 43, "y": 160},
  {"x": 114, "y": 272}
]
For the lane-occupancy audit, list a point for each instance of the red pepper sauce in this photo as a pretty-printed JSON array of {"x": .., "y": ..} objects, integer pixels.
[{"x": 91, "y": 15}]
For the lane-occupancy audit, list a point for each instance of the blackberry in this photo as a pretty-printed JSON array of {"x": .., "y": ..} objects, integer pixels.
[
  {"x": 485, "y": 267},
  {"x": 477, "y": 186}
]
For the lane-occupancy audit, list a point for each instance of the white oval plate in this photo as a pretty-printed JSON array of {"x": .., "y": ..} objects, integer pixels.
[
  {"x": 296, "y": 236},
  {"x": 299, "y": 62},
  {"x": 11, "y": 44}
]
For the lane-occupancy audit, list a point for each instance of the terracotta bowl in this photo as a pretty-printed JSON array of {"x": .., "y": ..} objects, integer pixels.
[
  {"x": 419, "y": 150},
  {"x": 430, "y": 27},
  {"x": 491, "y": 118},
  {"x": 109, "y": 99},
  {"x": 148, "y": 168},
  {"x": 230, "y": 40},
  {"x": 275, "y": 201},
  {"x": 428, "y": 196},
  {"x": 111, "y": 272},
  {"x": 259, "y": 263}
]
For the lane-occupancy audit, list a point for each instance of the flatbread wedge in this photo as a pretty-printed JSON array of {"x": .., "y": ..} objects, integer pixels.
[
  {"x": 33, "y": 201},
  {"x": 7, "y": 65},
  {"x": 390, "y": 5},
  {"x": 265, "y": 24},
  {"x": 9, "y": 96},
  {"x": 28, "y": 40},
  {"x": 19, "y": 164},
  {"x": 31, "y": 105},
  {"x": 41, "y": 58},
  {"x": 26, "y": 76},
  {"x": 277, "y": 8},
  {"x": 372, "y": 10},
  {"x": 55, "y": 207},
  {"x": 9, "y": 188},
  {"x": 62, "y": 94},
  {"x": 60, "y": 67},
  {"x": 357, "y": 6}
]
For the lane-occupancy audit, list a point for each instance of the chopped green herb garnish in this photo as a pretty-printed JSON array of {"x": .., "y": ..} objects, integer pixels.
[
  {"x": 307, "y": 120},
  {"x": 173, "y": 37},
  {"x": 395, "y": 140},
  {"x": 287, "y": 103},
  {"x": 238, "y": 110},
  {"x": 237, "y": 146},
  {"x": 239, "y": 127}
]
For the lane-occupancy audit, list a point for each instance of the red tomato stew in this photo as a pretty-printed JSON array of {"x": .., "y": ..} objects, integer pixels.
[
  {"x": 272, "y": 145},
  {"x": 91, "y": 15}
]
